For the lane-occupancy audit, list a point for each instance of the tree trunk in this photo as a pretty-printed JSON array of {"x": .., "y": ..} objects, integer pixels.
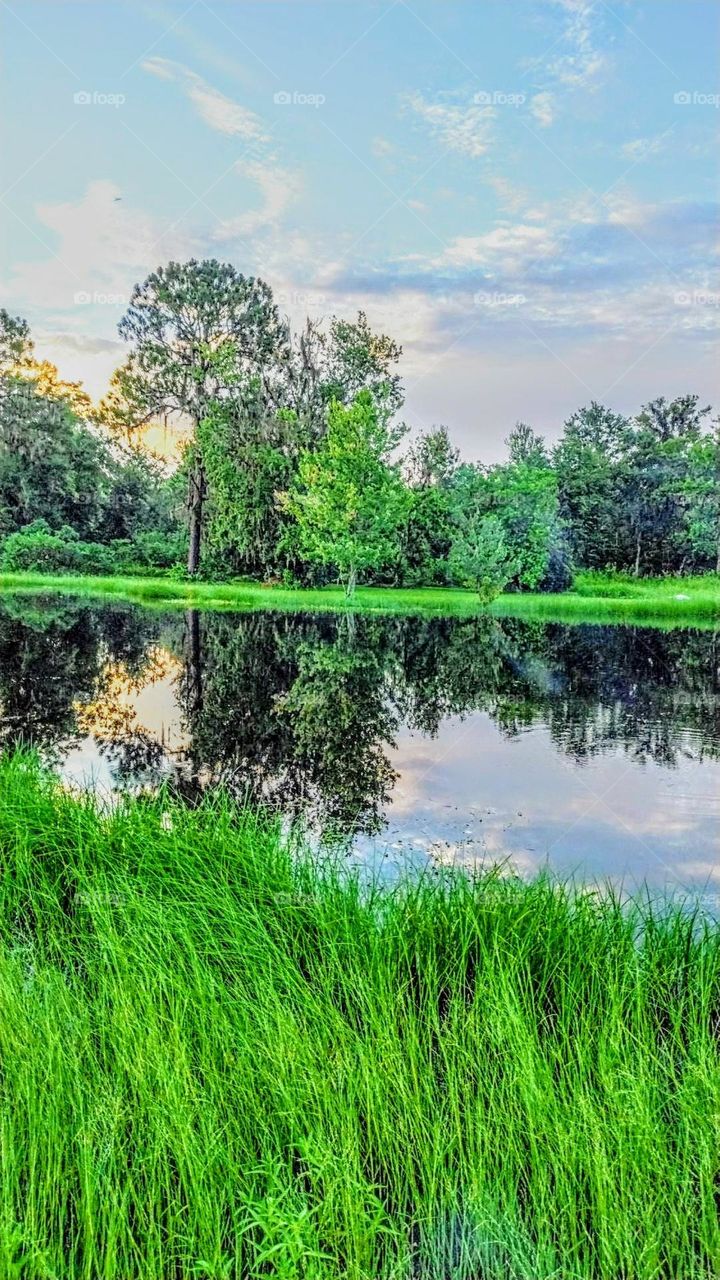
[
  {"x": 190, "y": 785},
  {"x": 351, "y": 583},
  {"x": 637, "y": 557},
  {"x": 193, "y": 662},
  {"x": 196, "y": 495}
]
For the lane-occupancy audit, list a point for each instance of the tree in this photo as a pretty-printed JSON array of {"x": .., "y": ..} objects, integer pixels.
[
  {"x": 480, "y": 557},
  {"x": 16, "y": 345},
  {"x": 701, "y": 492},
  {"x": 665, "y": 433},
  {"x": 525, "y": 446},
  {"x": 250, "y": 454},
  {"x": 592, "y": 468},
  {"x": 523, "y": 497},
  {"x": 196, "y": 327},
  {"x": 426, "y": 534},
  {"x": 349, "y": 497},
  {"x": 432, "y": 460},
  {"x": 51, "y": 466},
  {"x": 357, "y": 359}
]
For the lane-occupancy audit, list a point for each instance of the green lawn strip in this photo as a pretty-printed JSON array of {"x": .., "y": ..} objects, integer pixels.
[{"x": 595, "y": 598}]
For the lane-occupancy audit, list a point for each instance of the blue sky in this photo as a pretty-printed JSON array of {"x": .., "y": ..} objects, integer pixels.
[{"x": 524, "y": 194}]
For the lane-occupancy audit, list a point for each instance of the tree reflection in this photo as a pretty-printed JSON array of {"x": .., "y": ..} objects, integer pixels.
[{"x": 301, "y": 711}]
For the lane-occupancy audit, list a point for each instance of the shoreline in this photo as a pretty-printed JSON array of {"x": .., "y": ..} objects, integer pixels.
[{"x": 594, "y": 598}]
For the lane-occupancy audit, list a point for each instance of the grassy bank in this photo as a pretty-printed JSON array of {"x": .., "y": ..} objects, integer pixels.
[
  {"x": 222, "y": 1062},
  {"x": 594, "y": 597}
]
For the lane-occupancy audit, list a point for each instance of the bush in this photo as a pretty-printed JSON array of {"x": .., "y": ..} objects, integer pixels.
[
  {"x": 36, "y": 547},
  {"x": 149, "y": 550},
  {"x": 40, "y": 548}
]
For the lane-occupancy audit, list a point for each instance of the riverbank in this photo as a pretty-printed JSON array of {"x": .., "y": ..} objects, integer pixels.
[{"x": 593, "y": 598}]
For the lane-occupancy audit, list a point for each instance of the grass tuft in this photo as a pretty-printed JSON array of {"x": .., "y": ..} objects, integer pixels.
[{"x": 221, "y": 1060}]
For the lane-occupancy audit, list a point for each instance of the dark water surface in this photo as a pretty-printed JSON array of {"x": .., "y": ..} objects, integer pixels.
[{"x": 594, "y": 750}]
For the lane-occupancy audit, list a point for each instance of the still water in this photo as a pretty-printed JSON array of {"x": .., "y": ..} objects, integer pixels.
[{"x": 591, "y": 750}]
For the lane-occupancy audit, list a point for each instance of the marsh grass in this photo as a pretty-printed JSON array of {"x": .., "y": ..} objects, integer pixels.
[
  {"x": 595, "y": 598},
  {"x": 221, "y": 1059}
]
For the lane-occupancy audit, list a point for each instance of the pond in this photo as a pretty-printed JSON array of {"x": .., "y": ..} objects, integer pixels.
[{"x": 593, "y": 750}]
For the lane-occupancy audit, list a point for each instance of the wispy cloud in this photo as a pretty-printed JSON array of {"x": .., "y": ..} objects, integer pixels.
[
  {"x": 213, "y": 107},
  {"x": 463, "y": 127},
  {"x": 278, "y": 188},
  {"x": 542, "y": 108},
  {"x": 582, "y": 63},
  {"x": 641, "y": 148}
]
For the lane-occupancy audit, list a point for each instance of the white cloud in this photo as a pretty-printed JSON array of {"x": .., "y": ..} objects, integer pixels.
[
  {"x": 640, "y": 148},
  {"x": 583, "y": 63},
  {"x": 102, "y": 246},
  {"x": 464, "y": 128},
  {"x": 278, "y": 188},
  {"x": 382, "y": 147},
  {"x": 506, "y": 249},
  {"x": 213, "y": 107},
  {"x": 542, "y": 107},
  {"x": 511, "y": 197}
]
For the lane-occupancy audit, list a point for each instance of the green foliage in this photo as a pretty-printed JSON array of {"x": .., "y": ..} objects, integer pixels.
[
  {"x": 523, "y": 497},
  {"x": 51, "y": 466},
  {"x": 356, "y": 359},
  {"x": 248, "y": 455},
  {"x": 290, "y": 474},
  {"x": 349, "y": 499},
  {"x": 480, "y": 557},
  {"x": 15, "y": 342},
  {"x": 197, "y": 329},
  {"x": 37, "y": 547},
  {"x": 244, "y": 1065}
]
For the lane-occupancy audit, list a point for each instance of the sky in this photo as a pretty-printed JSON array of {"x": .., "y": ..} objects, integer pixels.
[{"x": 524, "y": 194}]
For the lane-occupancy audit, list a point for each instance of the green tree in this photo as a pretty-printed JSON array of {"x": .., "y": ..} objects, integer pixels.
[
  {"x": 523, "y": 497},
  {"x": 196, "y": 328},
  {"x": 432, "y": 460},
  {"x": 349, "y": 498},
  {"x": 480, "y": 557},
  {"x": 357, "y": 359},
  {"x": 16, "y": 346},
  {"x": 701, "y": 492},
  {"x": 592, "y": 469},
  {"x": 526, "y": 447},
  {"x": 250, "y": 456},
  {"x": 664, "y": 436},
  {"x": 51, "y": 466}
]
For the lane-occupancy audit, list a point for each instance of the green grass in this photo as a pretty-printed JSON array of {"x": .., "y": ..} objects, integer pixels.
[
  {"x": 219, "y": 1060},
  {"x": 594, "y": 598}
]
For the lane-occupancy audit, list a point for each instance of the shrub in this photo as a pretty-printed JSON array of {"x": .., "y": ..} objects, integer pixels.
[{"x": 37, "y": 547}]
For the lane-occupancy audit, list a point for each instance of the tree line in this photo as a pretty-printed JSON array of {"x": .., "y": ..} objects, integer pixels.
[{"x": 298, "y": 467}]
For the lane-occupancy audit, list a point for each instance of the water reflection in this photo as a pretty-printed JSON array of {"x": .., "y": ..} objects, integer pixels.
[{"x": 595, "y": 748}]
